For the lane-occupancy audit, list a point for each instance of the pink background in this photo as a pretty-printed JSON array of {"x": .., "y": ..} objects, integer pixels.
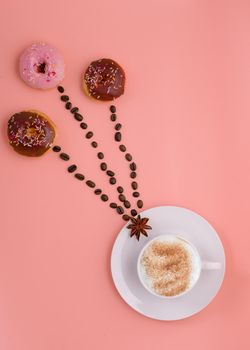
[{"x": 186, "y": 120}]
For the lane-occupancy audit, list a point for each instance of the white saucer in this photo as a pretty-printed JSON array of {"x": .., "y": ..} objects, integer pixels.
[{"x": 178, "y": 221}]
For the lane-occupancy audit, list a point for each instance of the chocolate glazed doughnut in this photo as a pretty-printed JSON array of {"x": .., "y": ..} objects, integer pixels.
[
  {"x": 104, "y": 80},
  {"x": 31, "y": 133}
]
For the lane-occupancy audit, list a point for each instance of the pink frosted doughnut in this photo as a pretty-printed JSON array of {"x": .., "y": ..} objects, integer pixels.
[{"x": 41, "y": 66}]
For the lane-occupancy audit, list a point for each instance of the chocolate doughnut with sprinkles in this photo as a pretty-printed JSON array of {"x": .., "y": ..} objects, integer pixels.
[
  {"x": 31, "y": 133},
  {"x": 104, "y": 80}
]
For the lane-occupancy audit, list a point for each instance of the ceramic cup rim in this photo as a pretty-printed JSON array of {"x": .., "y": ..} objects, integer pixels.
[{"x": 139, "y": 265}]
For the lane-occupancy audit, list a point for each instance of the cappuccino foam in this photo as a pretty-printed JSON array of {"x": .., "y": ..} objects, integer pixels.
[{"x": 169, "y": 266}]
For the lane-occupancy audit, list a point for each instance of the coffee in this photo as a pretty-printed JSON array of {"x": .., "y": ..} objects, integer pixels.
[{"x": 169, "y": 266}]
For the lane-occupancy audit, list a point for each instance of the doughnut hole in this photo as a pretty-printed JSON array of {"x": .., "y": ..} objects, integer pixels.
[
  {"x": 32, "y": 132},
  {"x": 40, "y": 68}
]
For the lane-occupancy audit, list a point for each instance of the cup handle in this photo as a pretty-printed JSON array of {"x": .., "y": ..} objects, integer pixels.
[{"x": 210, "y": 265}]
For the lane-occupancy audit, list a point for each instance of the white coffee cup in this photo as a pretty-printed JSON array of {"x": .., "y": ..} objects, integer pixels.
[{"x": 199, "y": 264}]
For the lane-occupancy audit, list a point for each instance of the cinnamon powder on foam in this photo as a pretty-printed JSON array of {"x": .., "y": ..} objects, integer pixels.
[{"x": 168, "y": 266}]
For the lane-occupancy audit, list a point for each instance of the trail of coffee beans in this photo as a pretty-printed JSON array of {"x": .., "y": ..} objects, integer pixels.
[{"x": 103, "y": 165}]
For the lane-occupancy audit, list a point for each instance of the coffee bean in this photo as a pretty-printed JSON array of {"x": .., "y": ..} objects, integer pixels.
[
  {"x": 89, "y": 135},
  {"x": 64, "y": 156},
  {"x": 83, "y": 125},
  {"x": 113, "y": 205},
  {"x": 128, "y": 157},
  {"x": 64, "y": 98},
  {"x": 104, "y": 197},
  {"x": 118, "y": 136},
  {"x": 133, "y": 166},
  {"x": 60, "y": 89},
  {"x": 68, "y": 105},
  {"x": 112, "y": 180},
  {"x": 133, "y": 175},
  {"x": 113, "y": 117},
  {"x": 139, "y": 203},
  {"x": 133, "y": 212},
  {"x": 134, "y": 185},
  {"x": 120, "y": 210},
  {"x": 103, "y": 166},
  {"x": 120, "y": 189},
  {"x": 118, "y": 126},
  {"x": 122, "y": 148},
  {"x": 56, "y": 148},
  {"x": 80, "y": 177},
  {"x": 90, "y": 183},
  {"x": 98, "y": 191},
  {"x": 78, "y": 117},
  {"x": 122, "y": 198},
  {"x": 72, "y": 168},
  {"x": 74, "y": 110},
  {"x": 94, "y": 144},
  {"x": 112, "y": 109},
  {"x": 110, "y": 173},
  {"x": 136, "y": 194},
  {"x": 100, "y": 155},
  {"x": 126, "y": 217},
  {"x": 127, "y": 204}
]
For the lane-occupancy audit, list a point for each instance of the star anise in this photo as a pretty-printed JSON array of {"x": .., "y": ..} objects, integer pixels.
[{"x": 139, "y": 226}]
